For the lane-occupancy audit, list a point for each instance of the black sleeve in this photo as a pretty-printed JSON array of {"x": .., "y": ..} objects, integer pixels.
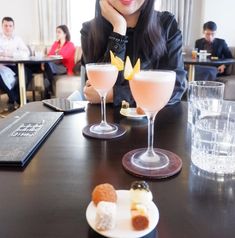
[
  {"x": 116, "y": 44},
  {"x": 121, "y": 91},
  {"x": 173, "y": 59},
  {"x": 197, "y": 45},
  {"x": 226, "y": 51}
]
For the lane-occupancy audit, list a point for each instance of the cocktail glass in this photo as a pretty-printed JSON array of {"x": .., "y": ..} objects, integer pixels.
[
  {"x": 102, "y": 77},
  {"x": 151, "y": 90}
]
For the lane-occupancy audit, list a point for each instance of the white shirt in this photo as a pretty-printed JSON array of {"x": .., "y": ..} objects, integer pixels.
[
  {"x": 13, "y": 46},
  {"x": 8, "y": 76}
]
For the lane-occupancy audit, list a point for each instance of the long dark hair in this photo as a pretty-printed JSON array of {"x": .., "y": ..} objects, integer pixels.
[
  {"x": 65, "y": 29},
  {"x": 148, "y": 38}
]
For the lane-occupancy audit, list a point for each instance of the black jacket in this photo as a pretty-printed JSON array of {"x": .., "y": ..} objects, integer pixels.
[
  {"x": 123, "y": 46},
  {"x": 219, "y": 48}
]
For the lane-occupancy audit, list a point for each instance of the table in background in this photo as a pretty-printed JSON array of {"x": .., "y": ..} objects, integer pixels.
[
  {"x": 208, "y": 62},
  {"x": 21, "y": 70},
  {"x": 49, "y": 198}
]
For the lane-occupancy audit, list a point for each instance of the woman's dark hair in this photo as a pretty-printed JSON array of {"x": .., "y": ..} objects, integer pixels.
[
  {"x": 210, "y": 25},
  {"x": 65, "y": 29},
  {"x": 148, "y": 38}
]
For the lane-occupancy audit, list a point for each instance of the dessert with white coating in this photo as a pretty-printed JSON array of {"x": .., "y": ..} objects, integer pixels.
[{"x": 105, "y": 216}]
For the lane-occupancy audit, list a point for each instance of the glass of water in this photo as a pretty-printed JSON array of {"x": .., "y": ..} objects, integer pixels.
[
  {"x": 213, "y": 141},
  {"x": 204, "y": 96}
]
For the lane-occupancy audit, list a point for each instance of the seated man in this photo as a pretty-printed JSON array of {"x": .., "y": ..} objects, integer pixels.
[
  {"x": 217, "y": 47},
  {"x": 11, "y": 44}
]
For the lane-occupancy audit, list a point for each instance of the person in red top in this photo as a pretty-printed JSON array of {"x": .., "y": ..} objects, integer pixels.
[{"x": 65, "y": 48}]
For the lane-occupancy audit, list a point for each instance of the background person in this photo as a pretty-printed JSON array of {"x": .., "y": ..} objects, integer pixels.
[
  {"x": 64, "y": 47},
  {"x": 217, "y": 47},
  {"x": 11, "y": 45},
  {"x": 132, "y": 28}
]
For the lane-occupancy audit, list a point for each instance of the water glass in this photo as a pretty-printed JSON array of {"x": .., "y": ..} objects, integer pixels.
[
  {"x": 38, "y": 54},
  {"x": 213, "y": 141},
  {"x": 39, "y": 51},
  {"x": 202, "y": 55},
  {"x": 205, "y": 97}
]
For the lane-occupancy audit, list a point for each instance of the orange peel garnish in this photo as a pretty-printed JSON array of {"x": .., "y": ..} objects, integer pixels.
[
  {"x": 129, "y": 71},
  {"x": 116, "y": 61},
  {"x": 128, "y": 68}
]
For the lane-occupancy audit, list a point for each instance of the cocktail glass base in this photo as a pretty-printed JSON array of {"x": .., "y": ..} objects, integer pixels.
[
  {"x": 150, "y": 160},
  {"x": 103, "y": 128},
  {"x": 95, "y": 131},
  {"x": 173, "y": 166}
]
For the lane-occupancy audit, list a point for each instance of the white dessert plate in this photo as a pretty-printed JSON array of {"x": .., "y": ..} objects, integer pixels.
[
  {"x": 123, "y": 228},
  {"x": 131, "y": 113}
]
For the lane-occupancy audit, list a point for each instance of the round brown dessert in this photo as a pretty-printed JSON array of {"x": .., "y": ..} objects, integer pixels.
[
  {"x": 139, "y": 217},
  {"x": 140, "y": 222},
  {"x": 104, "y": 192},
  {"x": 140, "y": 111}
]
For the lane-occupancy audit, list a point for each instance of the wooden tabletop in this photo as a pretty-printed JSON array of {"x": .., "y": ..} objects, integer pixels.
[{"x": 48, "y": 199}]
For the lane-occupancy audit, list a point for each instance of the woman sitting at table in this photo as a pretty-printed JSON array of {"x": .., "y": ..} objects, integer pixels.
[
  {"x": 62, "y": 47},
  {"x": 132, "y": 28}
]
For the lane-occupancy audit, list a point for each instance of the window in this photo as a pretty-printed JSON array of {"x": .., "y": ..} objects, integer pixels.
[
  {"x": 158, "y": 5},
  {"x": 80, "y": 12}
]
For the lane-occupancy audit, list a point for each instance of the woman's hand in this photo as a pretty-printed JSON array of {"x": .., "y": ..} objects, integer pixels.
[
  {"x": 92, "y": 96},
  {"x": 114, "y": 17}
]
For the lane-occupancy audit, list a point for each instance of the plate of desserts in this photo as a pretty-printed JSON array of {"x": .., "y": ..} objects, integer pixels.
[
  {"x": 131, "y": 112},
  {"x": 122, "y": 213}
]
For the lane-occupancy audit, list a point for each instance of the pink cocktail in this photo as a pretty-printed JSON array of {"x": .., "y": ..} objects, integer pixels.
[
  {"x": 102, "y": 77},
  {"x": 151, "y": 91}
]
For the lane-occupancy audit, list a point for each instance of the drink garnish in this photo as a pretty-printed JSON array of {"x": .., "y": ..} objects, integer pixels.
[
  {"x": 129, "y": 71},
  {"x": 125, "y": 104},
  {"x": 116, "y": 61}
]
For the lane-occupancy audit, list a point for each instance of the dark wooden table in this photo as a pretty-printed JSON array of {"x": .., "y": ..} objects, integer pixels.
[
  {"x": 48, "y": 199},
  {"x": 208, "y": 62},
  {"x": 21, "y": 69}
]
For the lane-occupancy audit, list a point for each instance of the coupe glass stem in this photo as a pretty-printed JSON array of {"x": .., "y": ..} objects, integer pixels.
[
  {"x": 103, "y": 127},
  {"x": 103, "y": 109},
  {"x": 150, "y": 151}
]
